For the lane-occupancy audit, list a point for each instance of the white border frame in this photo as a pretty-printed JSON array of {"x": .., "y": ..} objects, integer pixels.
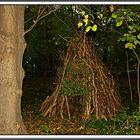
[
  {"x": 72, "y": 2},
  {"x": 70, "y": 136}
]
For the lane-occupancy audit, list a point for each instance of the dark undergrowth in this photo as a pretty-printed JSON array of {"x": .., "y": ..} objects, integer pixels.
[{"x": 37, "y": 89}]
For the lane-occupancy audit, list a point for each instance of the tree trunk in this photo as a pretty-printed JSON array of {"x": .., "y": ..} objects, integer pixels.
[{"x": 12, "y": 45}]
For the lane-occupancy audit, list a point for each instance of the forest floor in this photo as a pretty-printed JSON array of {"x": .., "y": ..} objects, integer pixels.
[{"x": 37, "y": 89}]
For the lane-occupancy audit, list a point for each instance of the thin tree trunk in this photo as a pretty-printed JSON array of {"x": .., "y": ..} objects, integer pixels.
[{"x": 12, "y": 47}]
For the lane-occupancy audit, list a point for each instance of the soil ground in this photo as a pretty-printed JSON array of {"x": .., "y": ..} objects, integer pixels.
[{"x": 35, "y": 90}]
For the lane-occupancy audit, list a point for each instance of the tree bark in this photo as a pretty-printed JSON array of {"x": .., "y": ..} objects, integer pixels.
[{"x": 12, "y": 45}]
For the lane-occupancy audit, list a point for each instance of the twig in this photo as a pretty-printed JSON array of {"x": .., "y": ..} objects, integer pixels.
[
  {"x": 60, "y": 19},
  {"x": 136, "y": 55},
  {"x": 56, "y": 92},
  {"x": 63, "y": 38},
  {"x": 61, "y": 107},
  {"x": 125, "y": 123},
  {"x": 29, "y": 19},
  {"x": 138, "y": 84},
  {"x": 128, "y": 74},
  {"x": 67, "y": 104},
  {"x": 39, "y": 17}
]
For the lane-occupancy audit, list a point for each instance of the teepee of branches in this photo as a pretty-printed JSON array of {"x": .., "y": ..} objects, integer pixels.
[{"x": 84, "y": 80}]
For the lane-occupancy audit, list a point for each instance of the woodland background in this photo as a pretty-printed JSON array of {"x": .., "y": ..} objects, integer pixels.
[{"x": 114, "y": 31}]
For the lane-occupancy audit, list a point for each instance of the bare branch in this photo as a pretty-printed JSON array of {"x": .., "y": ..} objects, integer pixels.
[
  {"x": 39, "y": 17},
  {"x": 29, "y": 19},
  {"x": 60, "y": 19}
]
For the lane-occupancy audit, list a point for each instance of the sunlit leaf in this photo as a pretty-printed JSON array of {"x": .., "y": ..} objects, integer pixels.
[
  {"x": 130, "y": 45},
  {"x": 92, "y": 16},
  {"x": 86, "y": 21},
  {"x": 119, "y": 23},
  {"x": 45, "y": 128},
  {"x": 126, "y": 34},
  {"x": 82, "y": 13},
  {"x": 99, "y": 15},
  {"x": 94, "y": 28},
  {"x": 86, "y": 16},
  {"x": 80, "y": 24},
  {"x": 132, "y": 31},
  {"x": 138, "y": 36},
  {"x": 111, "y": 8},
  {"x": 81, "y": 127},
  {"x": 114, "y": 15},
  {"x": 136, "y": 42},
  {"x": 88, "y": 28},
  {"x": 109, "y": 20},
  {"x": 130, "y": 27}
]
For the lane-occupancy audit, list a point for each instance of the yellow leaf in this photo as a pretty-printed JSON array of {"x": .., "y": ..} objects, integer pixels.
[
  {"x": 86, "y": 16},
  {"x": 81, "y": 127},
  {"x": 82, "y": 13},
  {"x": 88, "y": 28},
  {"x": 94, "y": 28},
  {"x": 80, "y": 24},
  {"x": 119, "y": 23},
  {"x": 130, "y": 45},
  {"x": 111, "y": 8},
  {"x": 99, "y": 15},
  {"x": 114, "y": 15},
  {"x": 138, "y": 36},
  {"x": 86, "y": 21}
]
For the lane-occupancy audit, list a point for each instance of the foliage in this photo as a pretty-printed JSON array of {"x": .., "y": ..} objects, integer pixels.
[
  {"x": 47, "y": 41},
  {"x": 130, "y": 19},
  {"x": 76, "y": 81},
  {"x": 45, "y": 128},
  {"x": 35, "y": 120},
  {"x": 87, "y": 21},
  {"x": 119, "y": 26},
  {"x": 121, "y": 16},
  {"x": 124, "y": 123}
]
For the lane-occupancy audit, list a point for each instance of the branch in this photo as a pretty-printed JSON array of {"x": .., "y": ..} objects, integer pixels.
[
  {"x": 136, "y": 55},
  {"x": 60, "y": 19},
  {"x": 39, "y": 17},
  {"x": 63, "y": 38},
  {"x": 29, "y": 19}
]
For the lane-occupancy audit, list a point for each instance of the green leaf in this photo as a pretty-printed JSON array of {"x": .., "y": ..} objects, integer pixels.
[
  {"x": 130, "y": 27},
  {"x": 136, "y": 42},
  {"x": 86, "y": 21},
  {"x": 126, "y": 34},
  {"x": 45, "y": 128},
  {"x": 99, "y": 15},
  {"x": 94, "y": 28},
  {"x": 130, "y": 45},
  {"x": 138, "y": 36},
  {"x": 111, "y": 8},
  {"x": 80, "y": 24},
  {"x": 119, "y": 23},
  {"x": 88, "y": 28},
  {"x": 137, "y": 27},
  {"x": 114, "y": 15},
  {"x": 129, "y": 37},
  {"x": 124, "y": 38},
  {"x": 82, "y": 13},
  {"x": 109, "y": 20},
  {"x": 132, "y": 31}
]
